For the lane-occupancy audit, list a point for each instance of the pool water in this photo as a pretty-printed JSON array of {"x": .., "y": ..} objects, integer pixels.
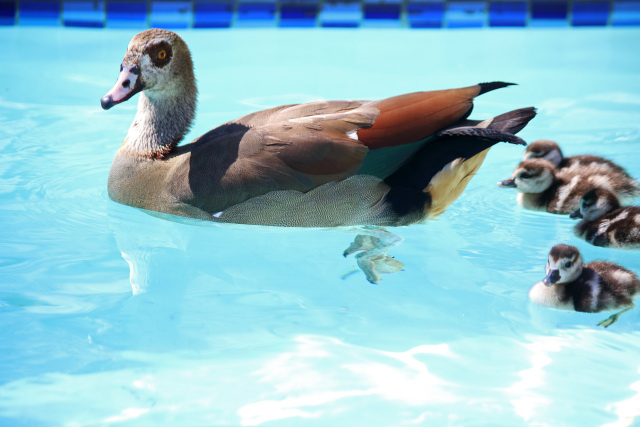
[{"x": 112, "y": 316}]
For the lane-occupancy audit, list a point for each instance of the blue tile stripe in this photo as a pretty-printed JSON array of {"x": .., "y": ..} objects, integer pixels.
[
  {"x": 178, "y": 14},
  {"x": 508, "y": 14},
  {"x": 590, "y": 13},
  {"x": 127, "y": 14},
  {"x": 8, "y": 12},
  {"x": 83, "y": 13},
  {"x": 43, "y": 12}
]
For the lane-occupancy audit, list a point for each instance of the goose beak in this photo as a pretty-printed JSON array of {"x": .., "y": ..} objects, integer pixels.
[
  {"x": 576, "y": 214},
  {"x": 507, "y": 183},
  {"x": 551, "y": 278},
  {"x": 129, "y": 83}
]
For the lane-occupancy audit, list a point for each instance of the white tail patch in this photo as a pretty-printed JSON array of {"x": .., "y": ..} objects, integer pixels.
[
  {"x": 622, "y": 215},
  {"x": 565, "y": 191},
  {"x": 622, "y": 277},
  {"x": 595, "y": 293},
  {"x": 447, "y": 185}
]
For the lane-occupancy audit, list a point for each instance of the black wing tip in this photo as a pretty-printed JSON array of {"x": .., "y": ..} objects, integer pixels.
[
  {"x": 494, "y": 135},
  {"x": 489, "y": 86},
  {"x": 513, "y": 121}
]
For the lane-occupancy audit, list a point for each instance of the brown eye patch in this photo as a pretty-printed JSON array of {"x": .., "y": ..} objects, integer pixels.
[
  {"x": 529, "y": 174},
  {"x": 160, "y": 53}
]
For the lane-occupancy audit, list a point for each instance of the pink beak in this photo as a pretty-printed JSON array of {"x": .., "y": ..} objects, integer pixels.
[{"x": 128, "y": 84}]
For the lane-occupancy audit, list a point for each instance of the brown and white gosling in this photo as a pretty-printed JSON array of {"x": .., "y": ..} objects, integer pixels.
[
  {"x": 542, "y": 187},
  {"x": 605, "y": 222},
  {"x": 591, "y": 288},
  {"x": 550, "y": 150}
]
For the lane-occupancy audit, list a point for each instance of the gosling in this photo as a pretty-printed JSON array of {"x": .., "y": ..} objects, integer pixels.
[
  {"x": 542, "y": 187},
  {"x": 550, "y": 150},
  {"x": 591, "y": 288},
  {"x": 605, "y": 223}
]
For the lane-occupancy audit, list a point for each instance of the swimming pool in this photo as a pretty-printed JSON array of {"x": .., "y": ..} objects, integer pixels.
[{"x": 109, "y": 315}]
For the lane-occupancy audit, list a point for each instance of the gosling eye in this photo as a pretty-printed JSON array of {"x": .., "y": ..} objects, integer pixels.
[
  {"x": 525, "y": 175},
  {"x": 568, "y": 264}
]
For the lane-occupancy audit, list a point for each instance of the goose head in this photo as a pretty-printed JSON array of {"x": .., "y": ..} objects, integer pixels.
[
  {"x": 531, "y": 176},
  {"x": 596, "y": 203},
  {"x": 564, "y": 265},
  {"x": 544, "y": 149},
  {"x": 157, "y": 62}
]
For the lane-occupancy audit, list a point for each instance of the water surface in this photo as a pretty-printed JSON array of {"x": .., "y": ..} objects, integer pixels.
[{"x": 109, "y": 315}]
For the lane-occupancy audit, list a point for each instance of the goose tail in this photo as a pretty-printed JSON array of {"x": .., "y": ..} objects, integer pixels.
[{"x": 446, "y": 164}]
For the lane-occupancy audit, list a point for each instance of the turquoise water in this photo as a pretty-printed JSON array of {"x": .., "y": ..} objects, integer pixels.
[{"x": 111, "y": 316}]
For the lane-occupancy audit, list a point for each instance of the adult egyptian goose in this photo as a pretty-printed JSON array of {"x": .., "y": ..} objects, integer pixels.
[
  {"x": 550, "y": 150},
  {"x": 543, "y": 187},
  {"x": 591, "y": 288},
  {"x": 329, "y": 163}
]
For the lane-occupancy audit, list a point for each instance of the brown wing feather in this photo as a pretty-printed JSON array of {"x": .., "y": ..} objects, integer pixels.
[
  {"x": 312, "y": 139},
  {"x": 313, "y": 148},
  {"x": 408, "y": 118},
  {"x": 244, "y": 159},
  {"x": 295, "y": 111}
]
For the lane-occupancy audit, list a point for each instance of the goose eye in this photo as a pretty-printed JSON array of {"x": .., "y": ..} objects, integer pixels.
[
  {"x": 568, "y": 264},
  {"x": 162, "y": 54},
  {"x": 525, "y": 175}
]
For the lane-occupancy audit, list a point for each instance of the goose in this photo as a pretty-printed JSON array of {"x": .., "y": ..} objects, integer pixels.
[
  {"x": 593, "y": 287},
  {"x": 542, "y": 187},
  {"x": 394, "y": 161},
  {"x": 550, "y": 150},
  {"x": 605, "y": 223}
]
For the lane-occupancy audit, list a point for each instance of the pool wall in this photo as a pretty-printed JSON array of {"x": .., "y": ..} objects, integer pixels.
[{"x": 318, "y": 13}]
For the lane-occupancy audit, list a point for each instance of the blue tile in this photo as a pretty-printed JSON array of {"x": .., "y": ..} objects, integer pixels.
[
  {"x": 508, "y": 14},
  {"x": 257, "y": 13},
  {"x": 347, "y": 15},
  {"x": 466, "y": 14},
  {"x": 425, "y": 15},
  {"x": 590, "y": 13},
  {"x": 45, "y": 13},
  {"x": 170, "y": 14},
  {"x": 625, "y": 13},
  {"x": 549, "y": 13},
  {"x": 126, "y": 14},
  {"x": 213, "y": 14},
  {"x": 83, "y": 13},
  {"x": 382, "y": 11},
  {"x": 298, "y": 14},
  {"x": 7, "y": 12}
]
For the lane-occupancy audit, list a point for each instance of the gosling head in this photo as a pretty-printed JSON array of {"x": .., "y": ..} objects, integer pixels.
[
  {"x": 595, "y": 203},
  {"x": 157, "y": 62},
  {"x": 544, "y": 149},
  {"x": 564, "y": 265},
  {"x": 531, "y": 176}
]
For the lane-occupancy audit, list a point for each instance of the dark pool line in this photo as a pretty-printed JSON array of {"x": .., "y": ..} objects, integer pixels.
[{"x": 318, "y": 13}]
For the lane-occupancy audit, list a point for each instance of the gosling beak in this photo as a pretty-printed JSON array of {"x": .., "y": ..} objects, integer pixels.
[
  {"x": 552, "y": 277},
  {"x": 129, "y": 83},
  {"x": 507, "y": 183},
  {"x": 576, "y": 214}
]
